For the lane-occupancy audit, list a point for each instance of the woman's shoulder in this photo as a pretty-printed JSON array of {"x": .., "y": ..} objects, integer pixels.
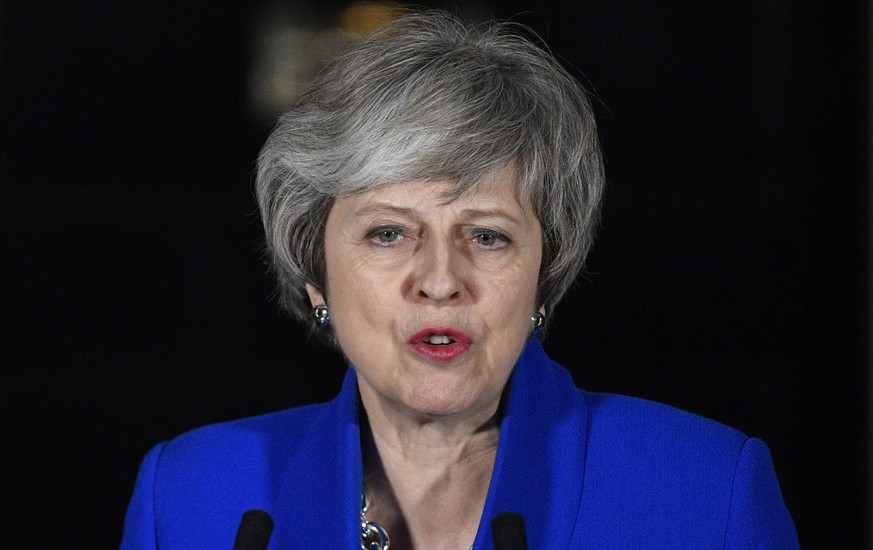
[
  {"x": 634, "y": 433},
  {"x": 644, "y": 445},
  {"x": 243, "y": 436},
  {"x": 196, "y": 486},
  {"x": 686, "y": 470},
  {"x": 223, "y": 458},
  {"x": 631, "y": 419}
]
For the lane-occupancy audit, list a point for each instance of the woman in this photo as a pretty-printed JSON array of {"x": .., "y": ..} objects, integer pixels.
[{"x": 426, "y": 205}]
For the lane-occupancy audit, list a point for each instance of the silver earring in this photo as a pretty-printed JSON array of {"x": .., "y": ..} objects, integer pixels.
[
  {"x": 536, "y": 323},
  {"x": 322, "y": 316}
]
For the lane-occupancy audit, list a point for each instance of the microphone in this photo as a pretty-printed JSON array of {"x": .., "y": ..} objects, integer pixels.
[
  {"x": 254, "y": 531},
  {"x": 507, "y": 530}
]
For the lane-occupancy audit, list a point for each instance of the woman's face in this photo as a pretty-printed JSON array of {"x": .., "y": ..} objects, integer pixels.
[{"x": 431, "y": 301}]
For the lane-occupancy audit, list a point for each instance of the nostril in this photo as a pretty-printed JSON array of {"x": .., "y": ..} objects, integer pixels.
[
  {"x": 439, "y": 296},
  {"x": 438, "y": 277}
]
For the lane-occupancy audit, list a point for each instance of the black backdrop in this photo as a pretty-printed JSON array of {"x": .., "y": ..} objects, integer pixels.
[{"x": 730, "y": 279}]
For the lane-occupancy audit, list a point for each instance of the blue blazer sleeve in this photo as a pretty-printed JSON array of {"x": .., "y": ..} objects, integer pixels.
[
  {"x": 139, "y": 524},
  {"x": 757, "y": 517}
]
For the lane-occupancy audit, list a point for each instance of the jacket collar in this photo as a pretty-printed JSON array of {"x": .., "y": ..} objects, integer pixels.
[{"x": 538, "y": 470}]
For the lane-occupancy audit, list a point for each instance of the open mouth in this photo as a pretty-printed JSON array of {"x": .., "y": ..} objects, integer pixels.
[{"x": 440, "y": 344}]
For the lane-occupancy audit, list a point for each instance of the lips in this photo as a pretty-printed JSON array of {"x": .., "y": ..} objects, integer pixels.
[{"x": 440, "y": 344}]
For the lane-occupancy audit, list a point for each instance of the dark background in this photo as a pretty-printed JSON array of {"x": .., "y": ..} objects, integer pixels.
[{"x": 731, "y": 277}]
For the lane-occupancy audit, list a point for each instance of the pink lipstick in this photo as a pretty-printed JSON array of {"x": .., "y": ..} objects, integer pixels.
[{"x": 440, "y": 344}]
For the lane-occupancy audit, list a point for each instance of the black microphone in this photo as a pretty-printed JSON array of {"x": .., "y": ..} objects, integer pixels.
[
  {"x": 507, "y": 530},
  {"x": 254, "y": 531}
]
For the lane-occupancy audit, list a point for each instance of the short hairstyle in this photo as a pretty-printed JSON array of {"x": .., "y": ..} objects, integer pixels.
[{"x": 429, "y": 96}]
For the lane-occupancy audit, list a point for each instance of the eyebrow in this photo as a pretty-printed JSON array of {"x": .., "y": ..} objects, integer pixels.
[
  {"x": 472, "y": 213},
  {"x": 383, "y": 207}
]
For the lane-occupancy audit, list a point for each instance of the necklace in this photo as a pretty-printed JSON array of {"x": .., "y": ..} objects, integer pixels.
[{"x": 373, "y": 536}]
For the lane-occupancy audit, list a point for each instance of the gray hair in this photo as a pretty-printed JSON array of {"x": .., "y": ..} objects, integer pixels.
[{"x": 431, "y": 97}]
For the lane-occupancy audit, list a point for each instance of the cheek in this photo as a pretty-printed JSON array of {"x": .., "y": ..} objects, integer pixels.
[
  {"x": 516, "y": 284},
  {"x": 358, "y": 300},
  {"x": 511, "y": 303}
]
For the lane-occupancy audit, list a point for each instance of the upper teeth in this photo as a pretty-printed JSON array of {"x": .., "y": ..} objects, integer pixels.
[{"x": 438, "y": 339}]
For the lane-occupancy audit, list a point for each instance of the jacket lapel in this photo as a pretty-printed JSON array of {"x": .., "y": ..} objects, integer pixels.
[
  {"x": 540, "y": 462},
  {"x": 318, "y": 504}
]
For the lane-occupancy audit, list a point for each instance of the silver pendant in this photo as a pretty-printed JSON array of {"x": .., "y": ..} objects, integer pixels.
[{"x": 373, "y": 536}]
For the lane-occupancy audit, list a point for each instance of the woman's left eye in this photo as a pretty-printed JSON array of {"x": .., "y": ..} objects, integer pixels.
[
  {"x": 490, "y": 238},
  {"x": 388, "y": 236}
]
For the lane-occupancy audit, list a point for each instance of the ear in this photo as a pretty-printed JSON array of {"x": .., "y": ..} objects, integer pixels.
[
  {"x": 316, "y": 298},
  {"x": 543, "y": 310}
]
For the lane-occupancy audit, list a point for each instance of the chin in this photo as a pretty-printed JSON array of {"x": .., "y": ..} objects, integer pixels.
[{"x": 441, "y": 402}]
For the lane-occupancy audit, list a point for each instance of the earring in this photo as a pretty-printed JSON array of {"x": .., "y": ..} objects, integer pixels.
[
  {"x": 322, "y": 316},
  {"x": 536, "y": 323}
]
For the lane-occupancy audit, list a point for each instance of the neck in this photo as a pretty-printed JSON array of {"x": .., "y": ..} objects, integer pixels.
[{"x": 427, "y": 479}]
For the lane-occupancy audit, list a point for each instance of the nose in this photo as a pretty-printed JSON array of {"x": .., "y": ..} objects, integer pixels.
[{"x": 440, "y": 274}]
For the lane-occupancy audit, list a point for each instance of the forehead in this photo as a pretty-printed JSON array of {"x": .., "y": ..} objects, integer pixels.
[{"x": 498, "y": 191}]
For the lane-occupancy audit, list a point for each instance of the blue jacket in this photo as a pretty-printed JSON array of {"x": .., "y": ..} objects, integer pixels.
[{"x": 584, "y": 470}]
